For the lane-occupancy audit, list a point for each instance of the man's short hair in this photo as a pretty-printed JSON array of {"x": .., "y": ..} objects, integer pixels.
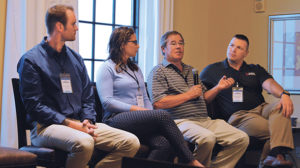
[
  {"x": 242, "y": 37},
  {"x": 56, "y": 13},
  {"x": 164, "y": 38}
]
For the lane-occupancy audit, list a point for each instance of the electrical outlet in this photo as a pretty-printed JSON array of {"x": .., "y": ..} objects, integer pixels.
[{"x": 259, "y": 6}]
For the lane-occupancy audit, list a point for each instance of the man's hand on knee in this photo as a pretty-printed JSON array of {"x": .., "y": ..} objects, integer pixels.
[{"x": 286, "y": 105}]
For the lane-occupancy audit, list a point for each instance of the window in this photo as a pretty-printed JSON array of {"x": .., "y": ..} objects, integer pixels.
[
  {"x": 97, "y": 19},
  {"x": 284, "y": 51}
]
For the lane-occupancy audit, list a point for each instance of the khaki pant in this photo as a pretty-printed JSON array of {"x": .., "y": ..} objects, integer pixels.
[
  {"x": 80, "y": 145},
  {"x": 205, "y": 133},
  {"x": 265, "y": 122}
]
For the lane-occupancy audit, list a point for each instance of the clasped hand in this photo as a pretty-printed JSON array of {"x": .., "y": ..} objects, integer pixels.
[{"x": 87, "y": 127}]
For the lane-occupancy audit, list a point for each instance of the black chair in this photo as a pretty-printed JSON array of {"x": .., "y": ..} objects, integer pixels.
[{"x": 46, "y": 157}]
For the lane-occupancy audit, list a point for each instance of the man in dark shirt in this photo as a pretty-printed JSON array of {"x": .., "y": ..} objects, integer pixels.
[
  {"x": 58, "y": 97},
  {"x": 243, "y": 104}
]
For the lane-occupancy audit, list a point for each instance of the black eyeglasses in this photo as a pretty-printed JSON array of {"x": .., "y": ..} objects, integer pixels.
[{"x": 134, "y": 41}]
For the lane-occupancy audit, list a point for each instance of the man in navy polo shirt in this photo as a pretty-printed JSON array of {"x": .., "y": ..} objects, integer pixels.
[{"x": 243, "y": 104}]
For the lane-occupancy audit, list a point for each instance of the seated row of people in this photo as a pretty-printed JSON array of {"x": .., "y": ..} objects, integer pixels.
[
  {"x": 122, "y": 91},
  {"x": 58, "y": 97}
]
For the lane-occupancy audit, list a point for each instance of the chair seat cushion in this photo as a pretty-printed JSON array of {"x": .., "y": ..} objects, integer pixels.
[
  {"x": 10, "y": 157},
  {"x": 47, "y": 156}
]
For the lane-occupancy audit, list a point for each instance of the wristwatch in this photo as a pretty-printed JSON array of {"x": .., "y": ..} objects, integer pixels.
[{"x": 285, "y": 92}]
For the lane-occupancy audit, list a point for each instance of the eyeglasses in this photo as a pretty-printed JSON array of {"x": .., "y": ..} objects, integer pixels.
[
  {"x": 134, "y": 41},
  {"x": 173, "y": 43}
]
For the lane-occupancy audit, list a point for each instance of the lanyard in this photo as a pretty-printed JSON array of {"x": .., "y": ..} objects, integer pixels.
[
  {"x": 133, "y": 77},
  {"x": 180, "y": 73},
  {"x": 184, "y": 77}
]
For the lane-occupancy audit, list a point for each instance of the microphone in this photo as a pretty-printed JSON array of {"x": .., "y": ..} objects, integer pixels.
[{"x": 196, "y": 76}]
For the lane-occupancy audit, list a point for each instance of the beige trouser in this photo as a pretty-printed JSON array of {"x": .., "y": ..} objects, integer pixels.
[
  {"x": 206, "y": 132},
  {"x": 265, "y": 122},
  {"x": 80, "y": 145}
]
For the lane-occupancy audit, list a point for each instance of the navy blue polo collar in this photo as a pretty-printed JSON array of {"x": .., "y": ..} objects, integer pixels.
[{"x": 226, "y": 64}]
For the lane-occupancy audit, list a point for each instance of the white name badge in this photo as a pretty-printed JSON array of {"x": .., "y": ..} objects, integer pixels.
[
  {"x": 140, "y": 100},
  {"x": 237, "y": 94},
  {"x": 66, "y": 84}
]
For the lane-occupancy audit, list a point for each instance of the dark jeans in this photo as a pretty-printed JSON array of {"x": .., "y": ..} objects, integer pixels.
[{"x": 154, "y": 128}]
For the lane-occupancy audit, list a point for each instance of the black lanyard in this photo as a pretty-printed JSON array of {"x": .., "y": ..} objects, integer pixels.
[
  {"x": 133, "y": 77},
  {"x": 181, "y": 74}
]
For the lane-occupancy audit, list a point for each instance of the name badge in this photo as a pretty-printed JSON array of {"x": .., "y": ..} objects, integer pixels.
[
  {"x": 237, "y": 94},
  {"x": 66, "y": 84},
  {"x": 140, "y": 99}
]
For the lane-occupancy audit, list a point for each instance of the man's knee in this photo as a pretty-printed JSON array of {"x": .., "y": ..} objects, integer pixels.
[
  {"x": 134, "y": 142},
  {"x": 209, "y": 141},
  {"x": 245, "y": 138},
  {"x": 84, "y": 144},
  {"x": 130, "y": 144},
  {"x": 242, "y": 139},
  {"x": 272, "y": 108}
]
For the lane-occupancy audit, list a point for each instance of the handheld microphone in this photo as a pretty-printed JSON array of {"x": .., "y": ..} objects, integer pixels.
[{"x": 196, "y": 76}]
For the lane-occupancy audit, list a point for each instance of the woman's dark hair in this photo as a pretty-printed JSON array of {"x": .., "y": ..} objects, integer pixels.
[{"x": 119, "y": 37}]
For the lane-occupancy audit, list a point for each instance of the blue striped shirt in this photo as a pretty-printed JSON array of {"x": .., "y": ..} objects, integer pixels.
[{"x": 166, "y": 79}]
